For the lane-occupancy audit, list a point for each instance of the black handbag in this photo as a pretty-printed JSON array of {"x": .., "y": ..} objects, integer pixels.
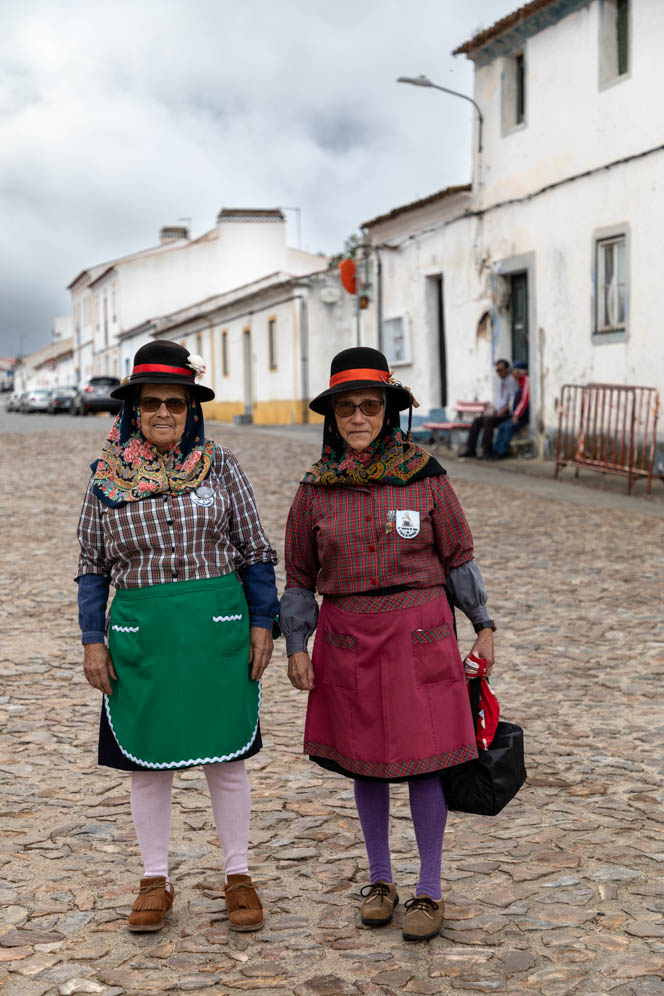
[{"x": 485, "y": 785}]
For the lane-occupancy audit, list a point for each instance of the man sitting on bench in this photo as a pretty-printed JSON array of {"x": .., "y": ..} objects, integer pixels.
[
  {"x": 493, "y": 415},
  {"x": 520, "y": 413}
]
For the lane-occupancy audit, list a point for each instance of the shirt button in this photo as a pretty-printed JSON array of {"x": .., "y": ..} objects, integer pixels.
[
  {"x": 372, "y": 549},
  {"x": 368, "y": 518},
  {"x": 174, "y": 574},
  {"x": 169, "y": 522},
  {"x": 165, "y": 497},
  {"x": 374, "y": 582},
  {"x": 172, "y": 549}
]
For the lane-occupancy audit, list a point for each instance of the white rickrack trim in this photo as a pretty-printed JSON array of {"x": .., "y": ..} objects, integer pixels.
[
  {"x": 226, "y": 618},
  {"x": 125, "y": 629},
  {"x": 191, "y": 761}
]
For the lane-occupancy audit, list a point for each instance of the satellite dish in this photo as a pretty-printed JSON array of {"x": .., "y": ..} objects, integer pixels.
[
  {"x": 329, "y": 294},
  {"x": 347, "y": 273}
]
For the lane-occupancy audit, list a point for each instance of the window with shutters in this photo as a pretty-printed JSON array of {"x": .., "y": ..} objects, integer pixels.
[
  {"x": 396, "y": 344},
  {"x": 614, "y": 41},
  {"x": 514, "y": 92},
  {"x": 611, "y": 284}
]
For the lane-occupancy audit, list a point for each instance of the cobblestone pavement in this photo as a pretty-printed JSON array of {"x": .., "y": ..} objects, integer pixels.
[{"x": 562, "y": 893}]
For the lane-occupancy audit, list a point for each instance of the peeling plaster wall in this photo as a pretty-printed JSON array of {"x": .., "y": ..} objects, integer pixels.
[
  {"x": 573, "y": 122},
  {"x": 559, "y": 228},
  {"x": 554, "y": 235},
  {"x": 415, "y": 247}
]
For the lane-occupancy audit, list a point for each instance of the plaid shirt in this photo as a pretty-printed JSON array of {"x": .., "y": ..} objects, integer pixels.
[
  {"x": 172, "y": 537},
  {"x": 340, "y": 540}
]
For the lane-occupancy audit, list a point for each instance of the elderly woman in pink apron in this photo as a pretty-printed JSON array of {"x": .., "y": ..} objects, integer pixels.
[{"x": 377, "y": 530}]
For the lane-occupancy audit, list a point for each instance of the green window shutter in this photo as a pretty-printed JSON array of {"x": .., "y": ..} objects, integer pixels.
[{"x": 622, "y": 35}]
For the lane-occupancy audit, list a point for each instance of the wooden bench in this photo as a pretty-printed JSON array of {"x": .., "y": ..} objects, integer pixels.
[{"x": 442, "y": 431}]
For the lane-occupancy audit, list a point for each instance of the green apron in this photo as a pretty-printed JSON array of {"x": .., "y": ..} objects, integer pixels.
[{"x": 181, "y": 654}]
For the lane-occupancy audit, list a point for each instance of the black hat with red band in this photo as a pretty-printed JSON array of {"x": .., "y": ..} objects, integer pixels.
[
  {"x": 356, "y": 369},
  {"x": 164, "y": 362}
]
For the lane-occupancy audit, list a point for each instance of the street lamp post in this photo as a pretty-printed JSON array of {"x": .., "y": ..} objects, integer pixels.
[{"x": 425, "y": 81}]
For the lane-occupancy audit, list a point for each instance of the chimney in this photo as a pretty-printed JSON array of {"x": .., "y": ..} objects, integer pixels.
[{"x": 172, "y": 233}]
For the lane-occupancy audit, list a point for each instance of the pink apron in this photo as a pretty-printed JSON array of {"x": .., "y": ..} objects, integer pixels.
[{"x": 390, "y": 698}]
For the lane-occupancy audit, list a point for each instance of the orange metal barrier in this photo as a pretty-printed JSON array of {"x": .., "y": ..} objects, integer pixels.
[{"x": 609, "y": 428}]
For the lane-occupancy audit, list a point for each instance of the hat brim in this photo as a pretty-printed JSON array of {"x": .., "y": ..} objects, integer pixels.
[
  {"x": 321, "y": 403},
  {"x": 198, "y": 391}
]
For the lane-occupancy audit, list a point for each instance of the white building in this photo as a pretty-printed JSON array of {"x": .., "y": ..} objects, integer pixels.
[
  {"x": 50, "y": 366},
  {"x": 110, "y": 299},
  {"x": 551, "y": 255},
  {"x": 267, "y": 345}
]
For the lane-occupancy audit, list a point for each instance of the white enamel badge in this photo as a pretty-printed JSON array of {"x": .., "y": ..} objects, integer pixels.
[
  {"x": 407, "y": 523},
  {"x": 203, "y": 496}
]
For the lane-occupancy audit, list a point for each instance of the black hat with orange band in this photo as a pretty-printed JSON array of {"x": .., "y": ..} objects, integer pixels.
[{"x": 358, "y": 368}]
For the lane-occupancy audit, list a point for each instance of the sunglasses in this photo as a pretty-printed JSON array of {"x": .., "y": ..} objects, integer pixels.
[
  {"x": 175, "y": 405},
  {"x": 345, "y": 409}
]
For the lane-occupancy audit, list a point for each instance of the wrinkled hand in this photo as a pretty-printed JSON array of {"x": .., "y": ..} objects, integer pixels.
[
  {"x": 98, "y": 667},
  {"x": 260, "y": 650},
  {"x": 483, "y": 647},
  {"x": 301, "y": 671}
]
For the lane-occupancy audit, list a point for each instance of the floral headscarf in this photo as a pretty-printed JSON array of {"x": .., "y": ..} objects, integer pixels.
[
  {"x": 390, "y": 459},
  {"x": 130, "y": 468}
]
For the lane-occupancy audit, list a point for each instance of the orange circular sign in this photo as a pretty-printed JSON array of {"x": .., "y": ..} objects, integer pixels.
[{"x": 347, "y": 271}]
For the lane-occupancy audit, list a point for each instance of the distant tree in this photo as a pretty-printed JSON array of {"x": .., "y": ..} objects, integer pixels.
[{"x": 349, "y": 251}]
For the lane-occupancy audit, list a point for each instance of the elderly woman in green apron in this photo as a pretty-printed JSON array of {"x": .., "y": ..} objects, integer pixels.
[{"x": 169, "y": 519}]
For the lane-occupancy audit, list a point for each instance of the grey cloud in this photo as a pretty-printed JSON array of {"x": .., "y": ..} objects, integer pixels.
[{"x": 119, "y": 117}]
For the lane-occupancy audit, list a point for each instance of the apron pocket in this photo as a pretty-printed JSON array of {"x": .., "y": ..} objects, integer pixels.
[
  {"x": 436, "y": 655},
  {"x": 230, "y": 625},
  {"x": 124, "y": 643},
  {"x": 339, "y": 660}
]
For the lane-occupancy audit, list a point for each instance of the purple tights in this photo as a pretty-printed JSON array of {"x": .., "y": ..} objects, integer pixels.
[{"x": 429, "y": 812}]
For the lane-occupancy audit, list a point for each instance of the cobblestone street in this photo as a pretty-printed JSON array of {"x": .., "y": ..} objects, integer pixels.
[{"x": 562, "y": 893}]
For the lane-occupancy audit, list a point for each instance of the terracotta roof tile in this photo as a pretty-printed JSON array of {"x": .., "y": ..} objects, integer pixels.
[
  {"x": 424, "y": 202},
  {"x": 512, "y": 20}
]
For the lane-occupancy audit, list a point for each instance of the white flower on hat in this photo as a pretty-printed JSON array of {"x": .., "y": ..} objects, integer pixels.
[{"x": 197, "y": 364}]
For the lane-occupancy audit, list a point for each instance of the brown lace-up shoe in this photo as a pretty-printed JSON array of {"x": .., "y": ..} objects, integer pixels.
[
  {"x": 152, "y": 904},
  {"x": 423, "y": 919},
  {"x": 378, "y": 907},
  {"x": 245, "y": 910}
]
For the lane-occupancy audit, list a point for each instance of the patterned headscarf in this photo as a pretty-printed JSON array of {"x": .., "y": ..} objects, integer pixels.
[
  {"x": 389, "y": 459},
  {"x": 130, "y": 468}
]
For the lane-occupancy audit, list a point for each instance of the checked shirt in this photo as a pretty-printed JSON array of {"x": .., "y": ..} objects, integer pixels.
[
  {"x": 341, "y": 540},
  {"x": 174, "y": 537}
]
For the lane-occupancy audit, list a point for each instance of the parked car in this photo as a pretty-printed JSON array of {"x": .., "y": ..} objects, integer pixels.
[
  {"x": 12, "y": 404},
  {"x": 35, "y": 400},
  {"x": 60, "y": 399},
  {"x": 94, "y": 396}
]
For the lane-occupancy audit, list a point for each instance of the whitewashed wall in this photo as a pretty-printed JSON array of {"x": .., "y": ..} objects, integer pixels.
[
  {"x": 171, "y": 277},
  {"x": 573, "y": 122},
  {"x": 300, "y": 313}
]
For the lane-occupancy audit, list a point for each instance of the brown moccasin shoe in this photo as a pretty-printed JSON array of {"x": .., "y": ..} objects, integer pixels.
[
  {"x": 378, "y": 907},
  {"x": 245, "y": 910},
  {"x": 152, "y": 904},
  {"x": 423, "y": 919}
]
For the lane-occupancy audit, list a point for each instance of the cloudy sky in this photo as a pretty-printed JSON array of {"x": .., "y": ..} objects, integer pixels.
[{"x": 120, "y": 116}]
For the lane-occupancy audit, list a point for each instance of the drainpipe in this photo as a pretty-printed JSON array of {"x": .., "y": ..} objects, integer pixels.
[
  {"x": 379, "y": 298},
  {"x": 304, "y": 356}
]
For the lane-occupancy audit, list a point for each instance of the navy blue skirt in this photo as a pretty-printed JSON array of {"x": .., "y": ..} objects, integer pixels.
[{"x": 110, "y": 755}]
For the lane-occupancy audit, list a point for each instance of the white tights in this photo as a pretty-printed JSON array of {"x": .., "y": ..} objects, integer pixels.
[{"x": 231, "y": 804}]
